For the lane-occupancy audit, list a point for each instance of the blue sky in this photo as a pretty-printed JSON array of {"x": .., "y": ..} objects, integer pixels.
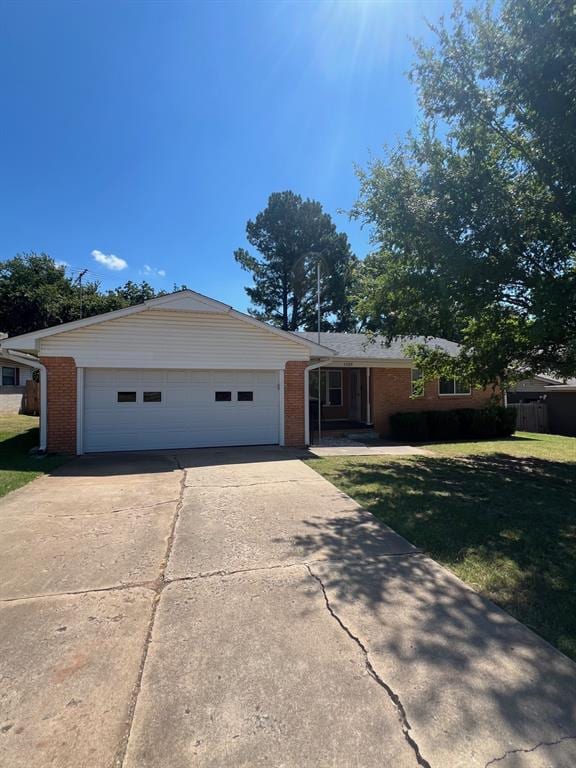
[{"x": 152, "y": 131}]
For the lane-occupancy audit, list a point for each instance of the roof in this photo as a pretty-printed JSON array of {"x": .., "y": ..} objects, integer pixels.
[{"x": 360, "y": 345}]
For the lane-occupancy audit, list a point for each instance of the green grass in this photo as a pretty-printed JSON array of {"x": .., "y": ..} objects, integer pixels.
[
  {"x": 18, "y": 434},
  {"x": 499, "y": 514},
  {"x": 522, "y": 444}
]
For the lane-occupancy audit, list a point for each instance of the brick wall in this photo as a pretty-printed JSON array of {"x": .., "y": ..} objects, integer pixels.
[
  {"x": 61, "y": 389},
  {"x": 294, "y": 402},
  {"x": 391, "y": 390}
]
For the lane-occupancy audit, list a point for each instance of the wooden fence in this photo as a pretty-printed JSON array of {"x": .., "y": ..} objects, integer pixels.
[
  {"x": 31, "y": 399},
  {"x": 531, "y": 417}
]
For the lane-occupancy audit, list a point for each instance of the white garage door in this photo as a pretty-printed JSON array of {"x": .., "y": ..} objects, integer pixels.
[{"x": 126, "y": 409}]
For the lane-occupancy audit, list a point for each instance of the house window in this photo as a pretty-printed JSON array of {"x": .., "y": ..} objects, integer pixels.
[
  {"x": 245, "y": 397},
  {"x": 223, "y": 397},
  {"x": 417, "y": 383},
  {"x": 8, "y": 377},
  {"x": 330, "y": 386},
  {"x": 333, "y": 387},
  {"x": 152, "y": 397},
  {"x": 126, "y": 397},
  {"x": 453, "y": 387}
]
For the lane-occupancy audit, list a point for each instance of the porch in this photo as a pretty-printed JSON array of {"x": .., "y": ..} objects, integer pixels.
[{"x": 340, "y": 402}]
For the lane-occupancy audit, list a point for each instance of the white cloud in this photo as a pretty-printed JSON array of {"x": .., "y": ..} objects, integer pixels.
[
  {"x": 149, "y": 271},
  {"x": 108, "y": 260},
  {"x": 62, "y": 263}
]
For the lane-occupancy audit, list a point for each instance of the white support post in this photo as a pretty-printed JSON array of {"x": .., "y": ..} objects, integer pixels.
[
  {"x": 368, "y": 408},
  {"x": 281, "y": 395},
  {"x": 79, "y": 411}
]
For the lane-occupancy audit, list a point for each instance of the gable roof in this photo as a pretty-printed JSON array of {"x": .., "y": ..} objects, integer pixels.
[
  {"x": 361, "y": 346},
  {"x": 185, "y": 300}
]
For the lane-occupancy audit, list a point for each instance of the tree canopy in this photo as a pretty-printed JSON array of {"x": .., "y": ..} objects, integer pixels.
[
  {"x": 473, "y": 217},
  {"x": 290, "y": 235},
  {"x": 37, "y": 293}
]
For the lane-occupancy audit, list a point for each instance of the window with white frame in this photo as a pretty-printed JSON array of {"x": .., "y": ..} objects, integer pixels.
[
  {"x": 453, "y": 387},
  {"x": 417, "y": 383},
  {"x": 330, "y": 382},
  {"x": 8, "y": 376}
]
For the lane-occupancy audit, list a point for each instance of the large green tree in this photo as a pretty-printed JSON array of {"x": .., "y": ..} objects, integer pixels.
[
  {"x": 473, "y": 217},
  {"x": 291, "y": 235},
  {"x": 36, "y": 293}
]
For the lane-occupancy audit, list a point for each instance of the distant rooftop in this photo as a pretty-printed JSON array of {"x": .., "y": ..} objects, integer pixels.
[{"x": 358, "y": 345}]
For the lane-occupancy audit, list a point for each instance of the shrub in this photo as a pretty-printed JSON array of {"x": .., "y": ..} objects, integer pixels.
[
  {"x": 409, "y": 426},
  {"x": 468, "y": 423},
  {"x": 506, "y": 421},
  {"x": 443, "y": 425},
  {"x": 466, "y": 418}
]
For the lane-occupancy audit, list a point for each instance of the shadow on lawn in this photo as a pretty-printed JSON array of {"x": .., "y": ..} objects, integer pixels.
[
  {"x": 507, "y": 525},
  {"x": 503, "y": 512}
]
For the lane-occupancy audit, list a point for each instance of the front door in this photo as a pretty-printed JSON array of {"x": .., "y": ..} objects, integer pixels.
[{"x": 355, "y": 412}]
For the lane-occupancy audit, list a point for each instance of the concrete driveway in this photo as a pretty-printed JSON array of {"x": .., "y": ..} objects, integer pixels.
[{"x": 232, "y": 608}]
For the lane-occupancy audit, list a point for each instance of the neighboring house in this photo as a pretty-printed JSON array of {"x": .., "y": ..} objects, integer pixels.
[
  {"x": 12, "y": 383},
  {"x": 531, "y": 390},
  {"x": 559, "y": 397},
  {"x": 184, "y": 370},
  {"x": 561, "y": 405}
]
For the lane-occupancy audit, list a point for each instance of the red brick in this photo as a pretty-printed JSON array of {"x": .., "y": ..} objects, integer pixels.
[
  {"x": 294, "y": 402},
  {"x": 61, "y": 416},
  {"x": 391, "y": 390}
]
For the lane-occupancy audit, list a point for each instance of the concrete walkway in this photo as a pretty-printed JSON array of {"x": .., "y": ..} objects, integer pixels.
[
  {"x": 345, "y": 446},
  {"x": 232, "y": 608}
]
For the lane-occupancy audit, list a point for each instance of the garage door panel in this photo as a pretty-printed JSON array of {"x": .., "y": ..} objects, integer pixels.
[{"x": 188, "y": 414}]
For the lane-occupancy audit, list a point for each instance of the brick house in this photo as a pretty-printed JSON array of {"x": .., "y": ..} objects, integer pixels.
[{"x": 184, "y": 371}]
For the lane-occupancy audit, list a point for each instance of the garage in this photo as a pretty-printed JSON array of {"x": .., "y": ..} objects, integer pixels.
[
  {"x": 178, "y": 371},
  {"x": 147, "y": 409}
]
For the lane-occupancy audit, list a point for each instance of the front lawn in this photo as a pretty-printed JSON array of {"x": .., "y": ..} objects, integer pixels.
[
  {"x": 18, "y": 434},
  {"x": 527, "y": 444},
  {"x": 500, "y": 514}
]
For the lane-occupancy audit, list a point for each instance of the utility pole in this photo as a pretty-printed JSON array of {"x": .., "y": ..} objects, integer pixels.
[
  {"x": 80, "y": 276},
  {"x": 318, "y": 297},
  {"x": 319, "y": 369}
]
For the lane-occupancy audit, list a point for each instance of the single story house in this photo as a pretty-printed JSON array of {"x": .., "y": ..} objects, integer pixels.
[
  {"x": 184, "y": 370},
  {"x": 534, "y": 389},
  {"x": 13, "y": 383}
]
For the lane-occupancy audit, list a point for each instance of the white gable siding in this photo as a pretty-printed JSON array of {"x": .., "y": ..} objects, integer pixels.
[{"x": 168, "y": 339}]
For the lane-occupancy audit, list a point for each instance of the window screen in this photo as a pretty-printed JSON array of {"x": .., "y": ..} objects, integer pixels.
[
  {"x": 245, "y": 397},
  {"x": 334, "y": 387},
  {"x": 126, "y": 397},
  {"x": 417, "y": 383},
  {"x": 446, "y": 386},
  {"x": 453, "y": 387},
  {"x": 8, "y": 377},
  {"x": 223, "y": 397},
  {"x": 152, "y": 397}
]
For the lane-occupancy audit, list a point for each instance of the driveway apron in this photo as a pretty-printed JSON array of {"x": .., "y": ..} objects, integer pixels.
[{"x": 232, "y": 608}]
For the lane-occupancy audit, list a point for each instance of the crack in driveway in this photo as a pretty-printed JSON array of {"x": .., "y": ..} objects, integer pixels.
[
  {"x": 531, "y": 749},
  {"x": 299, "y": 481},
  {"x": 392, "y": 695},
  {"x": 158, "y": 586}
]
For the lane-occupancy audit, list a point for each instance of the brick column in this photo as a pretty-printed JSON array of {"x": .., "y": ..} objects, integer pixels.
[
  {"x": 61, "y": 391},
  {"x": 294, "y": 402}
]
